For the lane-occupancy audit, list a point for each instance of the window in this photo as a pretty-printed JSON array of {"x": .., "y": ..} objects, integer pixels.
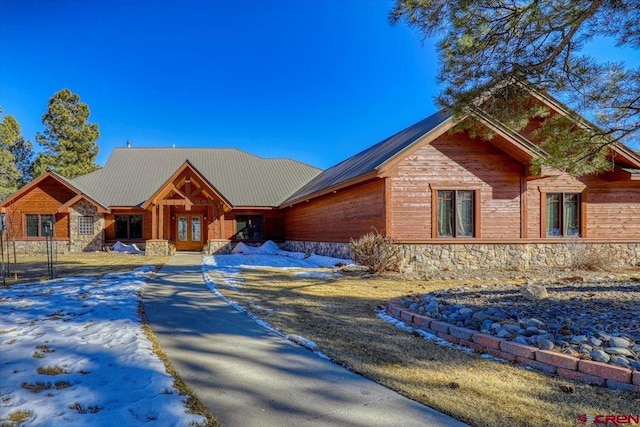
[
  {"x": 563, "y": 214},
  {"x": 249, "y": 227},
  {"x": 455, "y": 213},
  {"x": 128, "y": 226},
  {"x": 85, "y": 225},
  {"x": 39, "y": 225}
]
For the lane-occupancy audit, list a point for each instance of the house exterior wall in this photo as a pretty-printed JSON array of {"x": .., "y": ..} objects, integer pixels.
[
  {"x": 511, "y": 212},
  {"x": 455, "y": 162},
  {"x": 110, "y": 230},
  {"x": 45, "y": 198},
  {"x": 273, "y": 223},
  {"x": 85, "y": 242},
  {"x": 338, "y": 217},
  {"x": 613, "y": 209}
]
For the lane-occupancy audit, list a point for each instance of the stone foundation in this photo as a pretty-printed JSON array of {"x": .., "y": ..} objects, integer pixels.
[
  {"x": 431, "y": 257},
  {"x": 336, "y": 250},
  {"x": 156, "y": 247},
  {"x": 520, "y": 256},
  {"x": 38, "y": 247},
  {"x": 219, "y": 247}
]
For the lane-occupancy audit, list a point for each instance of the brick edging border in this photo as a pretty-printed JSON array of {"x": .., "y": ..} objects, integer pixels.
[{"x": 565, "y": 366}]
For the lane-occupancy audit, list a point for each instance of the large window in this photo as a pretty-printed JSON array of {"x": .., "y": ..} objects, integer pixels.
[
  {"x": 563, "y": 214},
  {"x": 455, "y": 213},
  {"x": 249, "y": 227},
  {"x": 39, "y": 225},
  {"x": 128, "y": 226}
]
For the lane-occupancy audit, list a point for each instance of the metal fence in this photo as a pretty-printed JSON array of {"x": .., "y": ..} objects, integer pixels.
[{"x": 18, "y": 265}]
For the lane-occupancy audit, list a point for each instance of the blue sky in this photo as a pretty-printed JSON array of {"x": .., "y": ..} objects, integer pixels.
[{"x": 314, "y": 80}]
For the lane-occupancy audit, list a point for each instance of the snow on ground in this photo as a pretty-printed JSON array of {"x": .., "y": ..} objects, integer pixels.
[
  {"x": 90, "y": 330},
  {"x": 225, "y": 270}
]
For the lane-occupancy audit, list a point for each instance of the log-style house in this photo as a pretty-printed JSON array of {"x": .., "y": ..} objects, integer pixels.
[{"x": 450, "y": 199}]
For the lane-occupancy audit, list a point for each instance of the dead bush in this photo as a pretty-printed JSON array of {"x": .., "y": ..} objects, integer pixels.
[
  {"x": 376, "y": 252},
  {"x": 585, "y": 256}
]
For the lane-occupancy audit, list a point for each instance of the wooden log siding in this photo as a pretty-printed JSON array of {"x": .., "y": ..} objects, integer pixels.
[
  {"x": 349, "y": 213},
  {"x": 613, "y": 211},
  {"x": 110, "y": 229},
  {"x": 46, "y": 198},
  {"x": 272, "y": 222},
  {"x": 456, "y": 162}
]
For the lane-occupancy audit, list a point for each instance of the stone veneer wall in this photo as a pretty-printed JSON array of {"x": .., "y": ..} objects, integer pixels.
[
  {"x": 431, "y": 257},
  {"x": 38, "y": 247},
  {"x": 156, "y": 247},
  {"x": 219, "y": 247},
  {"x": 85, "y": 242},
  {"x": 337, "y": 250}
]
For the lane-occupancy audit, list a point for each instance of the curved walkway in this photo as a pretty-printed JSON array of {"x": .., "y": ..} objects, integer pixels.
[{"x": 248, "y": 376}]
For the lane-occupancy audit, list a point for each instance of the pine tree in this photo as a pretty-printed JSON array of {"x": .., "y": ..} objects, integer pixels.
[
  {"x": 539, "y": 43},
  {"x": 15, "y": 157},
  {"x": 69, "y": 142}
]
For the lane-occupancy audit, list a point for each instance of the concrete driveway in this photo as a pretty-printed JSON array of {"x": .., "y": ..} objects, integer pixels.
[{"x": 249, "y": 376}]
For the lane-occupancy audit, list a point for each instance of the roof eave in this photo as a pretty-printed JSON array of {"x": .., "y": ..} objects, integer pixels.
[{"x": 332, "y": 189}]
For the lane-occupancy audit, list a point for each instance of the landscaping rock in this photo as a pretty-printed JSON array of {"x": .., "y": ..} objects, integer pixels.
[
  {"x": 580, "y": 339},
  {"x": 432, "y": 307},
  {"x": 534, "y": 292},
  {"x": 619, "y": 351},
  {"x": 620, "y": 361},
  {"x": 503, "y": 333},
  {"x": 600, "y": 356},
  {"x": 534, "y": 322},
  {"x": 619, "y": 342},
  {"x": 595, "y": 341},
  {"x": 545, "y": 344},
  {"x": 570, "y": 320}
]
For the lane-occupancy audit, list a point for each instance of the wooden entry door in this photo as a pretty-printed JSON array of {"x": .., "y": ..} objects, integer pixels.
[{"x": 189, "y": 232}]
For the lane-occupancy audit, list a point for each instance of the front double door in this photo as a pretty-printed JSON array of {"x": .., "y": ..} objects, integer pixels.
[{"x": 189, "y": 232}]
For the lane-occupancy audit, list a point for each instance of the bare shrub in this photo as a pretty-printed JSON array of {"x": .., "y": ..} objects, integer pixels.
[
  {"x": 376, "y": 252},
  {"x": 586, "y": 256}
]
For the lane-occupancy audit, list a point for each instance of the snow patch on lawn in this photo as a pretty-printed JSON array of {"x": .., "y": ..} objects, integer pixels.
[
  {"x": 224, "y": 270},
  {"x": 74, "y": 353}
]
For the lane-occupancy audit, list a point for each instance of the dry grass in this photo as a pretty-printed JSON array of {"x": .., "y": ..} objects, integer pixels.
[
  {"x": 339, "y": 316},
  {"x": 99, "y": 263},
  {"x": 84, "y": 410},
  {"x": 34, "y": 267},
  {"x": 52, "y": 370},
  {"x": 40, "y": 386},
  {"x": 16, "y": 418}
]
